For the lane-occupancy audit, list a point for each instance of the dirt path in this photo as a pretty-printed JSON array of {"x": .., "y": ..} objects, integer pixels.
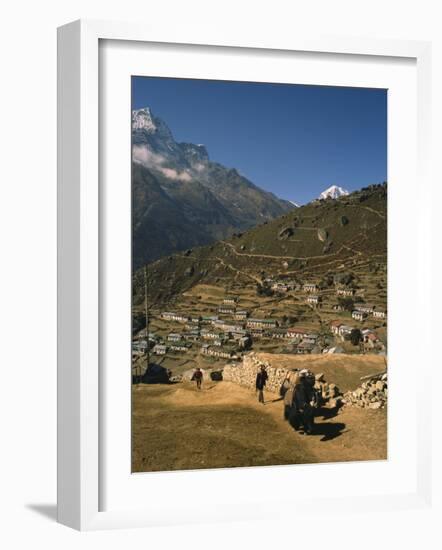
[
  {"x": 252, "y": 277},
  {"x": 269, "y": 256},
  {"x": 369, "y": 209},
  {"x": 178, "y": 427}
]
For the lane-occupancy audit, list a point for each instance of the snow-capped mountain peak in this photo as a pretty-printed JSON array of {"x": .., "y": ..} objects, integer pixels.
[
  {"x": 333, "y": 192},
  {"x": 142, "y": 120}
]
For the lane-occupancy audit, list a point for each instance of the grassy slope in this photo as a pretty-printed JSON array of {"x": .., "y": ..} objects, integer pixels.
[{"x": 358, "y": 246}]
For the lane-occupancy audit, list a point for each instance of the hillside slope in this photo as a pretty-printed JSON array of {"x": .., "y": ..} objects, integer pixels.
[{"x": 310, "y": 243}]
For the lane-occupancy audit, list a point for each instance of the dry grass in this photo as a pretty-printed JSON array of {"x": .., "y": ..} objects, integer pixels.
[{"x": 177, "y": 427}]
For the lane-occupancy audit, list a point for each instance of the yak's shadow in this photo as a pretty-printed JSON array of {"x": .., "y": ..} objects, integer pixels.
[{"x": 328, "y": 430}]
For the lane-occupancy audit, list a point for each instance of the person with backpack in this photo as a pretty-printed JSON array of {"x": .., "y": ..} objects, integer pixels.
[
  {"x": 309, "y": 401},
  {"x": 261, "y": 380},
  {"x": 287, "y": 392},
  {"x": 198, "y": 378}
]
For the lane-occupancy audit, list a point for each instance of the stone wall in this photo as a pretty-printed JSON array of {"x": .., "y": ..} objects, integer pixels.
[
  {"x": 371, "y": 394},
  {"x": 245, "y": 373}
]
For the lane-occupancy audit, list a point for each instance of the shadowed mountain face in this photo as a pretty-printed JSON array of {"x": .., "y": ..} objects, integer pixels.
[{"x": 181, "y": 199}]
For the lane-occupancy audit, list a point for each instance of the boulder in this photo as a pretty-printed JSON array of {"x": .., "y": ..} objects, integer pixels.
[
  {"x": 156, "y": 374},
  {"x": 285, "y": 233},
  {"x": 322, "y": 234}
]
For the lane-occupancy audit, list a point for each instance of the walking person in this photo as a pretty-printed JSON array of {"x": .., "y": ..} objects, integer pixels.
[
  {"x": 198, "y": 377},
  {"x": 310, "y": 401},
  {"x": 289, "y": 385},
  {"x": 261, "y": 380},
  {"x": 296, "y": 417}
]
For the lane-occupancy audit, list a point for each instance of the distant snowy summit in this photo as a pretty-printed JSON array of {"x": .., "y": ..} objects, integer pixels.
[{"x": 333, "y": 192}]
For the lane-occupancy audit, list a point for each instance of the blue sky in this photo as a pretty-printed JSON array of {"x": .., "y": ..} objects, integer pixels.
[{"x": 293, "y": 140}]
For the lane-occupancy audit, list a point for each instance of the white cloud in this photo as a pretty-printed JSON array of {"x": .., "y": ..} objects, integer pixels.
[
  {"x": 174, "y": 175},
  {"x": 142, "y": 155}
]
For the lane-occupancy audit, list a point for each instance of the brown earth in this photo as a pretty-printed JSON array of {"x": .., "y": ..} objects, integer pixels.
[{"x": 176, "y": 427}]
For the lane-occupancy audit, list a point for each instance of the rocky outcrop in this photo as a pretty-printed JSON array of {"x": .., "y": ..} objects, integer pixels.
[{"x": 371, "y": 394}]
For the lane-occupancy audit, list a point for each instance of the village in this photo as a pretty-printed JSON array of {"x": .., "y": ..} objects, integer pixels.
[{"x": 230, "y": 329}]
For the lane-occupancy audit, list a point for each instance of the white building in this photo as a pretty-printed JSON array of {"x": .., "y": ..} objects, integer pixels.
[
  {"x": 358, "y": 315},
  {"x": 159, "y": 349},
  {"x": 310, "y": 287}
]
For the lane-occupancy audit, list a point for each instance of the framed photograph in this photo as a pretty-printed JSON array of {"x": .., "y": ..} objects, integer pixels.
[{"x": 235, "y": 278}]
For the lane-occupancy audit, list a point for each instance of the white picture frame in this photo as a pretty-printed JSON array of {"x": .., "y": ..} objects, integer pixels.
[{"x": 80, "y": 439}]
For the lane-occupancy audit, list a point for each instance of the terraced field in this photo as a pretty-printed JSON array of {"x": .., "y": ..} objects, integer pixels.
[{"x": 313, "y": 244}]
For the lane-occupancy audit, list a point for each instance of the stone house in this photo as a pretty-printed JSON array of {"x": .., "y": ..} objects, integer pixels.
[
  {"x": 170, "y": 316},
  {"x": 310, "y": 287},
  {"x": 304, "y": 347},
  {"x": 379, "y": 314},
  {"x": 209, "y": 319},
  {"x": 230, "y": 300},
  {"x": 358, "y": 315},
  {"x": 296, "y": 333},
  {"x": 334, "y": 326},
  {"x": 346, "y": 292},
  {"x": 211, "y": 334},
  {"x": 279, "y": 287},
  {"x": 345, "y": 330},
  {"x": 192, "y": 336},
  {"x": 220, "y": 352},
  {"x": 179, "y": 347},
  {"x": 159, "y": 349},
  {"x": 262, "y": 323},
  {"x": 365, "y": 308},
  {"x": 278, "y": 333},
  {"x": 174, "y": 337},
  {"x": 238, "y": 333},
  {"x": 241, "y": 315},
  {"x": 313, "y": 300},
  {"x": 230, "y": 310},
  {"x": 139, "y": 345},
  {"x": 226, "y": 327}
]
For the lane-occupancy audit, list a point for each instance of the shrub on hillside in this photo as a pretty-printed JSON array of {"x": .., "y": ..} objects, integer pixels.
[
  {"x": 355, "y": 336},
  {"x": 347, "y": 304},
  {"x": 343, "y": 278}
]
